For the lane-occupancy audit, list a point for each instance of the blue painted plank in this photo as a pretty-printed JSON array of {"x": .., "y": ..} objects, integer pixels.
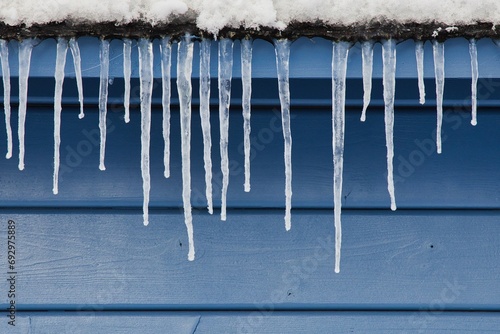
[
  {"x": 106, "y": 260},
  {"x": 464, "y": 176},
  {"x": 255, "y": 322}
]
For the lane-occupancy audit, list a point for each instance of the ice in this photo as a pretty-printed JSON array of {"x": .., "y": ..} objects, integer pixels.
[
  {"x": 25, "y": 48},
  {"x": 475, "y": 75},
  {"x": 225, "y": 75},
  {"x": 367, "y": 56},
  {"x": 419, "y": 54},
  {"x": 146, "y": 89},
  {"x": 438, "y": 52},
  {"x": 246, "y": 78},
  {"x": 127, "y": 70},
  {"x": 205, "y": 118},
  {"x": 103, "y": 98},
  {"x": 62, "y": 49},
  {"x": 4, "y": 56},
  {"x": 339, "y": 69},
  {"x": 184, "y": 69},
  {"x": 75, "y": 51},
  {"x": 389, "y": 81},
  {"x": 166, "y": 61},
  {"x": 282, "y": 49}
]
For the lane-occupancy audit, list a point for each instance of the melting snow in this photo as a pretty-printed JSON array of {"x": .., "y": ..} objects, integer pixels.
[
  {"x": 438, "y": 52},
  {"x": 389, "y": 79},
  {"x": 4, "y": 56},
  {"x": 225, "y": 76},
  {"x": 184, "y": 69},
  {"x": 75, "y": 51},
  {"x": 339, "y": 69},
  {"x": 419, "y": 54},
  {"x": 25, "y": 48},
  {"x": 127, "y": 71},
  {"x": 166, "y": 62},
  {"x": 367, "y": 56},
  {"x": 282, "y": 48},
  {"x": 62, "y": 49},
  {"x": 205, "y": 118},
  {"x": 475, "y": 75},
  {"x": 103, "y": 98},
  {"x": 146, "y": 88}
]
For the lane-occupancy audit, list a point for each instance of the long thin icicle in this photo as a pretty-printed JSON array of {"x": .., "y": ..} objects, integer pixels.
[
  {"x": 25, "y": 48},
  {"x": 146, "y": 88},
  {"x": 205, "y": 45},
  {"x": 184, "y": 69},
  {"x": 339, "y": 69},
  {"x": 367, "y": 56},
  {"x": 389, "y": 80},
  {"x": 475, "y": 76},
  {"x": 246, "y": 78},
  {"x": 438, "y": 53},
  {"x": 166, "y": 61},
  {"x": 419, "y": 55},
  {"x": 62, "y": 49},
  {"x": 4, "y": 56},
  {"x": 225, "y": 75},
  {"x": 103, "y": 98},
  {"x": 77, "y": 61},
  {"x": 282, "y": 49},
  {"x": 127, "y": 72}
]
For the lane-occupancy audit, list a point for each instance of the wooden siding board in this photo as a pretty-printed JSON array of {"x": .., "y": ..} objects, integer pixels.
[
  {"x": 255, "y": 322},
  {"x": 108, "y": 260},
  {"x": 466, "y": 175}
]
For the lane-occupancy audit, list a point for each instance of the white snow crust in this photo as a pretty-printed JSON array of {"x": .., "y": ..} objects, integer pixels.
[{"x": 212, "y": 15}]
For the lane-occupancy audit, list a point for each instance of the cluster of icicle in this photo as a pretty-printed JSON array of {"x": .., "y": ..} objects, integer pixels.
[{"x": 225, "y": 63}]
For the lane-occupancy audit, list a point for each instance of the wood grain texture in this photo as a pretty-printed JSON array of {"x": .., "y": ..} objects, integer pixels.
[{"x": 106, "y": 260}]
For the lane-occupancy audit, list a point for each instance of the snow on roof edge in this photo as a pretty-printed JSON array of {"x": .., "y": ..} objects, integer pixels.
[{"x": 375, "y": 30}]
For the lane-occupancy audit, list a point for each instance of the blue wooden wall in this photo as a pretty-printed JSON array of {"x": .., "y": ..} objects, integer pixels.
[{"x": 86, "y": 264}]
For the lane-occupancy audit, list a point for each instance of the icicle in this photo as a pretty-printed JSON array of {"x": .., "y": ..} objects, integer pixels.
[
  {"x": 246, "y": 78},
  {"x": 225, "y": 75},
  {"x": 146, "y": 88},
  {"x": 103, "y": 98},
  {"x": 127, "y": 71},
  {"x": 62, "y": 48},
  {"x": 389, "y": 81},
  {"x": 367, "y": 56},
  {"x": 75, "y": 51},
  {"x": 184, "y": 68},
  {"x": 25, "y": 48},
  {"x": 4, "y": 56},
  {"x": 205, "y": 118},
  {"x": 438, "y": 52},
  {"x": 166, "y": 56},
  {"x": 339, "y": 69},
  {"x": 282, "y": 49},
  {"x": 419, "y": 54},
  {"x": 475, "y": 76}
]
